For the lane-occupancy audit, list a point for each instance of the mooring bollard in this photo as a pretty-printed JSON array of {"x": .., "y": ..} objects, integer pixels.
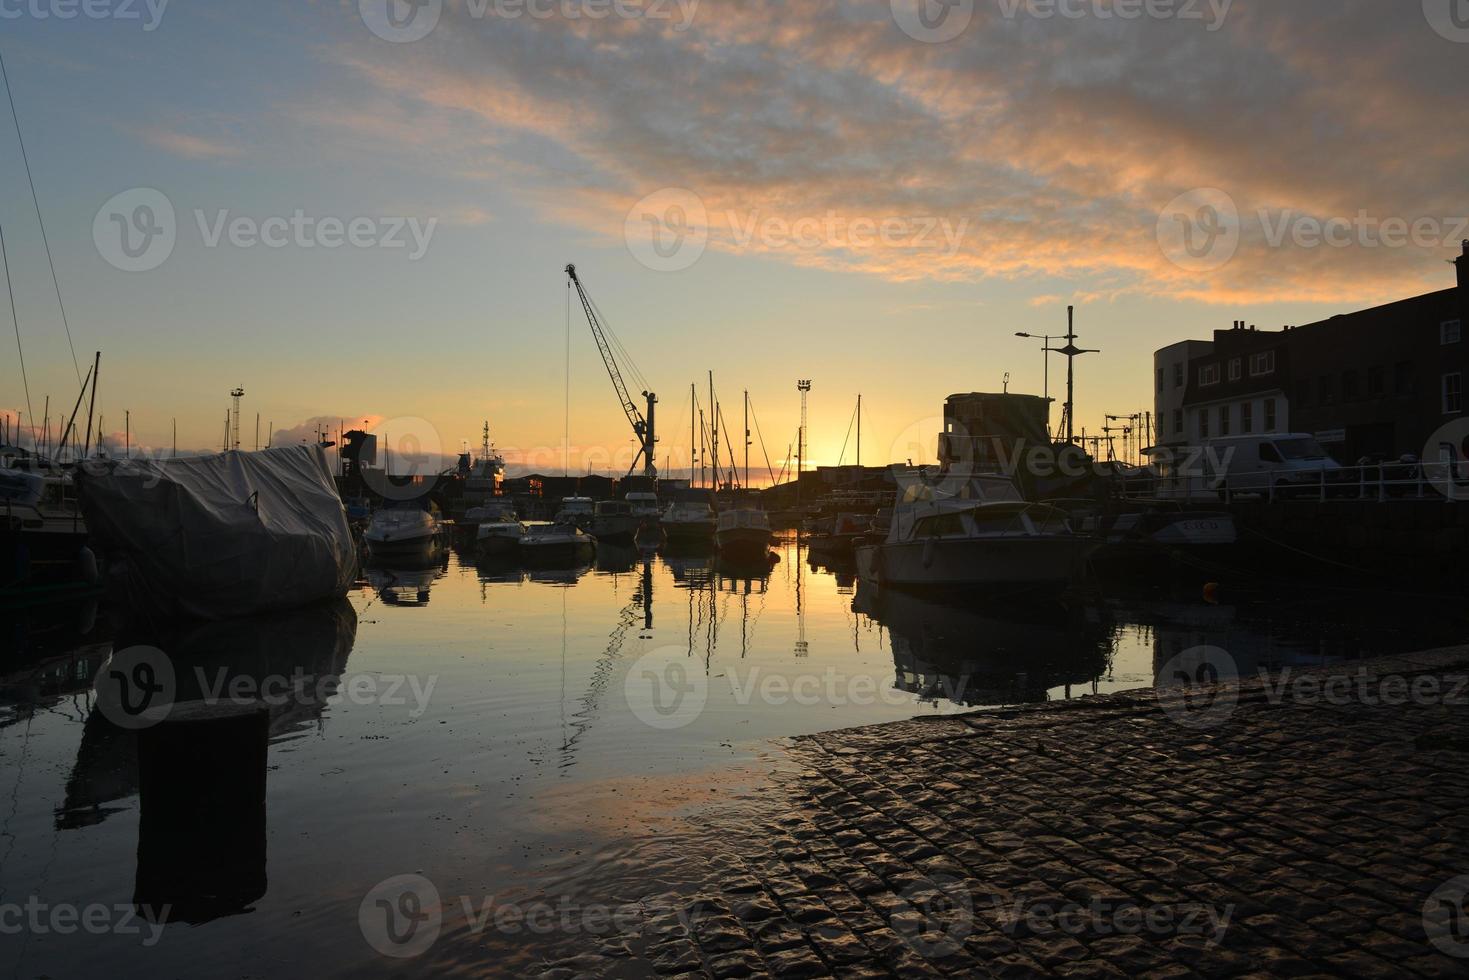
[{"x": 201, "y": 836}]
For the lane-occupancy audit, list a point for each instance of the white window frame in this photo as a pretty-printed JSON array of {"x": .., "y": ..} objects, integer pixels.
[
  {"x": 1268, "y": 417},
  {"x": 1450, "y": 332},
  {"x": 1246, "y": 418},
  {"x": 1208, "y": 375},
  {"x": 1179, "y": 374},
  {"x": 1458, "y": 379},
  {"x": 1234, "y": 369},
  {"x": 1259, "y": 361}
]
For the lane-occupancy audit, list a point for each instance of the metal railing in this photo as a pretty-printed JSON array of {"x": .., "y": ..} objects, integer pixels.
[{"x": 1369, "y": 483}]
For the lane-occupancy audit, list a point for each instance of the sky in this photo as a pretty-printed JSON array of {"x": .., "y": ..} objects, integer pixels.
[{"x": 362, "y": 210}]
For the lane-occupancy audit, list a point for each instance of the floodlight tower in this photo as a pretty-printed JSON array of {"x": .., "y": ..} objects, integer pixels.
[
  {"x": 803, "y": 386},
  {"x": 236, "y": 394}
]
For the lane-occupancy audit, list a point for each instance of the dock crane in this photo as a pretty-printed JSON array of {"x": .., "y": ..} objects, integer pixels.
[{"x": 641, "y": 427}]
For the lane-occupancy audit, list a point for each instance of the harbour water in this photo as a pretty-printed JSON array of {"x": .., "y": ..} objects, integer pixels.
[{"x": 527, "y": 738}]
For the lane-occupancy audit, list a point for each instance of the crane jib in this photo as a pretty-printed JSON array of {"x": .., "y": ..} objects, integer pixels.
[{"x": 642, "y": 428}]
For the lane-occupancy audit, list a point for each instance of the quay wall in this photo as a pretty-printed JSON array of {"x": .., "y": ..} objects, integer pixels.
[{"x": 1397, "y": 539}]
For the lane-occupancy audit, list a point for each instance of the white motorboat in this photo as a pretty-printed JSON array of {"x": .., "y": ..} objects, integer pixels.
[
  {"x": 403, "y": 533},
  {"x": 743, "y": 534},
  {"x": 560, "y": 543},
  {"x": 614, "y": 520},
  {"x": 578, "y": 511},
  {"x": 958, "y": 544},
  {"x": 689, "y": 522},
  {"x": 498, "y": 529},
  {"x": 644, "y": 506}
]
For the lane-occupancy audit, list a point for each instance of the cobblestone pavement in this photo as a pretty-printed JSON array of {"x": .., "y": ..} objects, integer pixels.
[{"x": 1259, "y": 828}]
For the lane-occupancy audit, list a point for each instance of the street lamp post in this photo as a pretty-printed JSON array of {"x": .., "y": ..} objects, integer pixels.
[{"x": 1071, "y": 351}]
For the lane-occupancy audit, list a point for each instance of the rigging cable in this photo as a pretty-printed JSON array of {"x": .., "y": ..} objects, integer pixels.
[
  {"x": 20, "y": 353},
  {"x": 842, "y": 458},
  {"x": 5, "y": 76},
  {"x": 763, "y": 451}
]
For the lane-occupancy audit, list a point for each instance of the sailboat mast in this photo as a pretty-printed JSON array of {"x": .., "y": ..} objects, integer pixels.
[
  {"x": 693, "y": 437},
  {"x": 859, "y": 429}
]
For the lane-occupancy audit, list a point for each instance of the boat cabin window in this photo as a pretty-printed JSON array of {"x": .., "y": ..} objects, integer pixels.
[{"x": 941, "y": 526}]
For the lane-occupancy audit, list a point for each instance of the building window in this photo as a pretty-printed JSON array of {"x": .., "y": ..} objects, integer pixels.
[
  {"x": 1160, "y": 381},
  {"x": 1270, "y": 415},
  {"x": 1453, "y": 393},
  {"x": 1209, "y": 374},
  {"x": 1327, "y": 386},
  {"x": 1178, "y": 421},
  {"x": 1262, "y": 363},
  {"x": 1351, "y": 385},
  {"x": 1402, "y": 378},
  {"x": 1234, "y": 369},
  {"x": 1224, "y": 420},
  {"x": 1178, "y": 374},
  {"x": 1247, "y": 417},
  {"x": 1203, "y": 423},
  {"x": 1376, "y": 381},
  {"x": 1449, "y": 332}
]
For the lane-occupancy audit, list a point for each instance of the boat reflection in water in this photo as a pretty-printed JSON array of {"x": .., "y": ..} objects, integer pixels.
[
  {"x": 404, "y": 586},
  {"x": 200, "y": 855},
  {"x": 980, "y": 655}
]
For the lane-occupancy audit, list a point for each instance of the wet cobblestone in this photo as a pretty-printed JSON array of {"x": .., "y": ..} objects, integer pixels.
[{"x": 1103, "y": 838}]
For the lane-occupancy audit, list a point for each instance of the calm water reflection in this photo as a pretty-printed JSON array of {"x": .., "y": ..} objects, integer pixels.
[{"x": 528, "y": 747}]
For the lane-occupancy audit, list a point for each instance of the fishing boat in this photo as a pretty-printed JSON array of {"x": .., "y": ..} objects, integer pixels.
[
  {"x": 743, "y": 534},
  {"x": 498, "y": 529},
  {"x": 962, "y": 544},
  {"x": 577, "y": 511},
  {"x": 404, "y": 533},
  {"x": 614, "y": 520},
  {"x": 557, "y": 543},
  {"x": 690, "y": 521}
]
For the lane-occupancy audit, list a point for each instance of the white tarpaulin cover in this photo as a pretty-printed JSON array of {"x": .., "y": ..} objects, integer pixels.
[{"x": 224, "y": 535}]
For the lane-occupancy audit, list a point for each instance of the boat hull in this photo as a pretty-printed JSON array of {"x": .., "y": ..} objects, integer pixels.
[
  {"x": 689, "y": 532},
  {"x": 620, "y": 529},
  {"x": 417, "y": 547},
  {"x": 744, "y": 544},
  {"x": 980, "y": 563},
  {"x": 498, "y": 545}
]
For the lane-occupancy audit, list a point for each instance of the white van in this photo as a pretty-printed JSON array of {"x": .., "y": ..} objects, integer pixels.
[{"x": 1253, "y": 463}]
